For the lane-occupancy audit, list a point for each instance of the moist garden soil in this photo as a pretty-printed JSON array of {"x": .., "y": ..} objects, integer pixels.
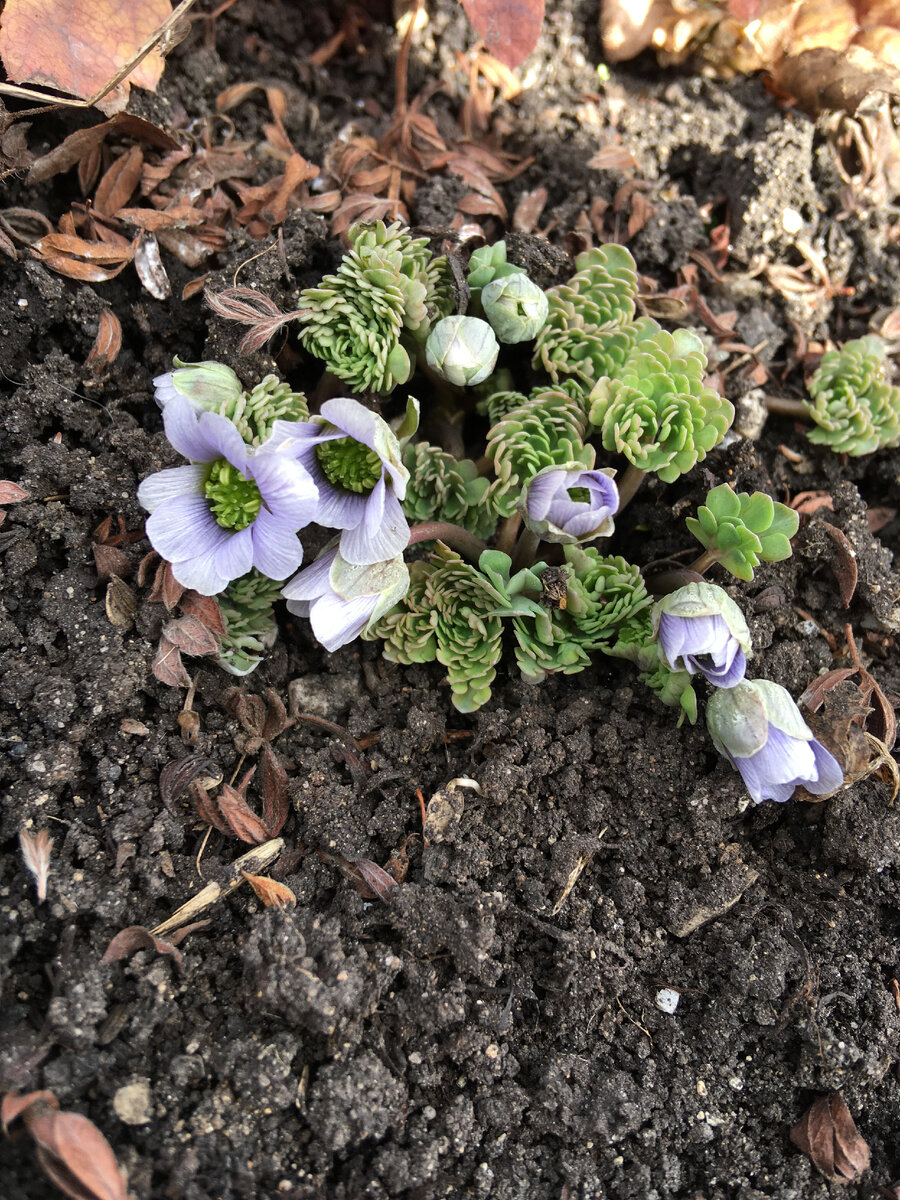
[{"x": 483, "y": 1032}]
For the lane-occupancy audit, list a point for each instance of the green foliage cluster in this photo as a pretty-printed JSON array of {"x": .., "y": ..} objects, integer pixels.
[
  {"x": 248, "y": 606},
  {"x": 444, "y": 488},
  {"x": 366, "y": 320},
  {"x": 740, "y": 531},
  {"x": 855, "y": 408}
]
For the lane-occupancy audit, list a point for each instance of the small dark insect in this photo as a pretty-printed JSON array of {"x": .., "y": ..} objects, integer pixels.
[{"x": 553, "y": 585}]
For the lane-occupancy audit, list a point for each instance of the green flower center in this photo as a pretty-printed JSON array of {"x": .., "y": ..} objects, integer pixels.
[
  {"x": 234, "y": 499},
  {"x": 349, "y": 464},
  {"x": 579, "y": 495}
]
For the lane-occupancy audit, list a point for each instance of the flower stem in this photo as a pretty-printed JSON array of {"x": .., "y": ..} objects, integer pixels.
[
  {"x": 457, "y": 538},
  {"x": 630, "y": 483},
  {"x": 525, "y": 552},
  {"x": 704, "y": 562},
  {"x": 506, "y": 538},
  {"x": 784, "y": 407}
]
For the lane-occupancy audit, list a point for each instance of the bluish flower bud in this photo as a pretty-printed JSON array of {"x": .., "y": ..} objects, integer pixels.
[
  {"x": 759, "y": 729},
  {"x": 208, "y": 385},
  {"x": 516, "y": 308},
  {"x": 700, "y": 628},
  {"x": 462, "y": 349},
  {"x": 570, "y": 504}
]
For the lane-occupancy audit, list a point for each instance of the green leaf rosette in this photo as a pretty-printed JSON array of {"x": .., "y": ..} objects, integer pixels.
[
  {"x": 740, "y": 530},
  {"x": 855, "y": 409}
]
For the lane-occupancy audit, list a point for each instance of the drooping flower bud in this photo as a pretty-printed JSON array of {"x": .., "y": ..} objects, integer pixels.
[
  {"x": 757, "y": 726},
  {"x": 342, "y": 599},
  {"x": 462, "y": 349},
  {"x": 570, "y": 504},
  {"x": 208, "y": 385},
  {"x": 515, "y": 307},
  {"x": 700, "y": 628}
]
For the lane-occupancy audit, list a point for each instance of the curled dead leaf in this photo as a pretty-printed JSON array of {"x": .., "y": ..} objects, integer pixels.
[
  {"x": 107, "y": 343},
  {"x": 136, "y": 937},
  {"x": 121, "y": 602},
  {"x": 845, "y": 566},
  {"x": 827, "y": 1135},
  {"x": 272, "y": 893}
]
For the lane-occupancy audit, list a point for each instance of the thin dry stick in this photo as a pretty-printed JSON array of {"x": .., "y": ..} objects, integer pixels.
[
  {"x": 162, "y": 35},
  {"x": 254, "y": 861}
]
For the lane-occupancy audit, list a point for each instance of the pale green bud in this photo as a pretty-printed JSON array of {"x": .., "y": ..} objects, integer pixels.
[
  {"x": 516, "y": 308},
  {"x": 462, "y": 349},
  {"x": 208, "y": 385}
]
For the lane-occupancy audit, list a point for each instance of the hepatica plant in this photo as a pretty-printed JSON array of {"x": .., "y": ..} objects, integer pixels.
[{"x": 451, "y": 559}]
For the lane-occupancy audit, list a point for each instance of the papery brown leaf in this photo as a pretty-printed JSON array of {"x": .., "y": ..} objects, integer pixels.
[
  {"x": 806, "y": 503},
  {"x": 877, "y": 518},
  {"x": 80, "y": 143},
  {"x": 207, "y": 808},
  {"x": 247, "y": 709},
  {"x": 509, "y": 28},
  {"x": 272, "y": 893},
  {"x": 110, "y": 560},
  {"x": 277, "y": 719},
  {"x": 166, "y": 588},
  {"x": 205, "y": 609},
  {"x": 136, "y": 937},
  {"x": 77, "y": 46},
  {"x": 242, "y": 820},
  {"x": 11, "y": 493},
  {"x": 93, "y": 262},
  {"x": 89, "y": 170},
  {"x": 191, "y": 636},
  {"x": 814, "y": 695},
  {"x": 612, "y": 158},
  {"x": 180, "y": 216},
  {"x": 376, "y": 879},
  {"x": 276, "y": 804},
  {"x": 827, "y": 1135},
  {"x": 121, "y": 602},
  {"x": 107, "y": 343},
  {"x": 117, "y": 186},
  {"x": 167, "y": 665},
  {"x": 823, "y": 79},
  {"x": 845, "y": 567},
  {"x": 71, "y": 1150},
  {"x": 149, "y": 267},
  {"x": 528, "y": 209},
  {"x": 15, "y": 1103},
  {"x": 176, "y": 777}
]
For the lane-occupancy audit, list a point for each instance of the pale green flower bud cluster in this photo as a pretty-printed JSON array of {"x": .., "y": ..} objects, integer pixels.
[{"x": 855, "y": 408}]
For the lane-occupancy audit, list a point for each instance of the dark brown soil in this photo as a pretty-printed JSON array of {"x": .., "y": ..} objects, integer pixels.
[{"x": 476, "y": 1035}]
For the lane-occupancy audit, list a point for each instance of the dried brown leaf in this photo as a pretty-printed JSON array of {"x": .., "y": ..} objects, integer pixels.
[
  {"x": 11, "y": 493},
  {"x": 274, "y": 791},
  {"x": 612, "y": 158},
  {"x": 375, "y": 878},
  {"x": 191, "y": 636},
  {"x": 107, "y": 343},
  {"x": 121, "y": 602},
  {"x": 827, "y": 1135},
  {"x": 77, "y": 46},
  {"x": 528, "y": 209},
  {"x": 242, "y": 820},
  {"x": 167, "y": 665},
  {"x": 166, "y": 588},
  {"x": 877, "y": 518},
  {"x": 136, "y": 937},
  {"x": 205, "y": 609},
  {"x": 73, "y": 1153},
  {"x": 80, "y": 143},
  {"x": 272, "y": 893},
  {"x": 14, "y": 1104},
  {"x": 845, "y": 566},
  {"x": 823, "y": 78},
  {"x": 179, "y": 216},
  {"x": 92, "y": 262},
  {"x": 509, "y": 28},
  {"x": 117, "y": 186}
]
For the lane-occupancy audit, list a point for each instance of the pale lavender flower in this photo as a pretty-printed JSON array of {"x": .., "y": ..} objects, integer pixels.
[
  {"x": 232, "y": 509},
  {"x": 341, "y": 599},
  {"x": 570, "y": 504},
  {"x": 759, "y": 729},
  {"x": 700, "y": 628},
  {"x": 354, "y": 458}
]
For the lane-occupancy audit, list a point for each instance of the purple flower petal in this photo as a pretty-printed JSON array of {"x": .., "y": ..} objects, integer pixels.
[
  {"x": 184, "y": 432},
  {"x": 339, "y": 509},
  {"x": 775, "y": 770},
  {"x": 184, "y": 528},
  {"x": 829, "y": 775},
  {"x": 725, "y": 675},
  {"x": 312, "y": 580},
  {"x": 382, "y": 535},
  {"x": 542, "y": 491},
  {"x": 276, "y": 549},
  {"x": 287, "y": 489},
  {"x": 234, "y": 556},
  {"x": 352, "y": 419},
  {"x": 166, "y": 485},
  {"x": 298, "y": 437},
  {"x": 223, "y": 436},
  {"x": 336, "y": 622},
  {"x": 165, "y": 389}
]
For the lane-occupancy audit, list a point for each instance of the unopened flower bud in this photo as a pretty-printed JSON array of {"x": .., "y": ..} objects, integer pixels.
[
  {"x": 700, "y": 628},
  {"x": 208, "y": 385},
  {"x": 462, "y": 349},
  {"x": 516, "y": 308},
  {"x": 757, "y": 726},
  {"x": 569, "y": 504}
]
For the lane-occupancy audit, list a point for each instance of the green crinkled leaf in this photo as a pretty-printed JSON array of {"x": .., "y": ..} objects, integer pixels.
[
  {"x": 443, "y": 488},
  {"x": 854, "y": 406}
]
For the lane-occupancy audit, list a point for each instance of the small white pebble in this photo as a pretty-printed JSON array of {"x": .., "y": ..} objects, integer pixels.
[
  {"x": 667, "y": 1000},
  {"x": 791, "y": 221}
]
